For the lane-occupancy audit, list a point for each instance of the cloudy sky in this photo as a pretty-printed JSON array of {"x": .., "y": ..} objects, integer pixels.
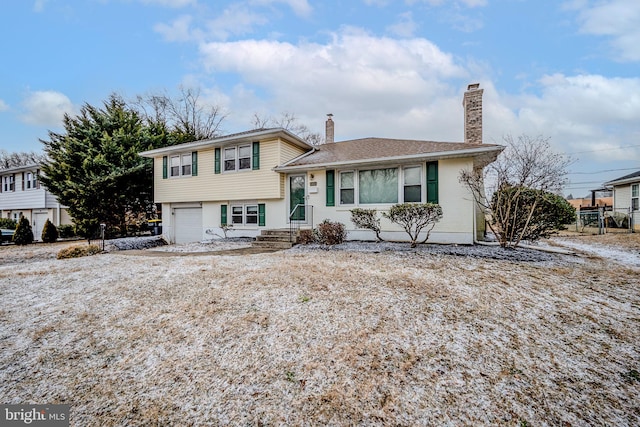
[{"x": 567, "y": 70}]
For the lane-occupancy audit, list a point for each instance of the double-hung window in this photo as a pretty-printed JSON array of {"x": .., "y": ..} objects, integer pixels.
[
  {"x": 244, "y": 214},
  {"x": 412, "y": 189},
  {"x": 347, "y": 190},
  {"x": 635, "y": 197},
  {"x": 10, "y": 183},
  {"x": 31, "y": 181},
  {"x": 181, "y": 165},
  {"x": 237, "y": 158}
]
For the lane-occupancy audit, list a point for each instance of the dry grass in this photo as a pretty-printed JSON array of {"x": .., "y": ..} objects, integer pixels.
[{"x": 322, "y": 338}]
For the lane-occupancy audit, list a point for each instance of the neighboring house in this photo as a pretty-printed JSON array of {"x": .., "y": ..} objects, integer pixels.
[
  {"x": 268, "y": 178},
  {"x": 22, "y": 194},
  {"x": 626, "y": 197},
  {"x": 600, "y": 198}
]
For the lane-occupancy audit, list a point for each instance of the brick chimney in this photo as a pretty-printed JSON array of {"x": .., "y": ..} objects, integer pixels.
[
  {"x": 329, "y": 130},
  {"x": 472, "y": 104}
]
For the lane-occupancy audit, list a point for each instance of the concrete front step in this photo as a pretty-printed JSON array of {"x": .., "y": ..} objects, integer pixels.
[
  {"x": 271, "y": 244},
  {"x": 275, "y": 239}
]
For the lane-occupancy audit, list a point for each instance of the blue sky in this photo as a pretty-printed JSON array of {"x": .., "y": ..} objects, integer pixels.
[{"x": 568, "y": 70}]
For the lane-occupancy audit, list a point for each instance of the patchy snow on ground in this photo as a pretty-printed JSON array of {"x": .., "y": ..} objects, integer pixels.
[
  {"x": 212, "y": 245},
  {"x": 356, "y": 334},
  {"x": 620, "y": 255}
]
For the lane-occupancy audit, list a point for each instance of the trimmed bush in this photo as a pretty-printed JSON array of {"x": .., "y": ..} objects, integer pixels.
[
  {"x": 331, "y": 233},
  {"x": 414, "y": 218},
  {"x": 79, "y": 251},
  {"x": 8, "y": 223},
  {"x": 66, "y": 231},
  {"x": 367, "y": 218},
  {"x": 306, "y": 237},
  {"x": 49, "y": 232},
  {"x": 24, "y": 233}
]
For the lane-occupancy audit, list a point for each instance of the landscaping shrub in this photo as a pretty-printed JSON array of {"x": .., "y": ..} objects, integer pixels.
[
  {"x": 331, "y": 233},
  {"x": 66, "y": 231},
  {"x": 78, "y": 251},
  {"x": 367, "y": 218},
  {"x": 8, "y": 223},
  {"x": 306, "y": 237},
  {"x": 24, "y": 233},
  {"x": 415, "y": 217},
  {"x": 49, "y": 232}
]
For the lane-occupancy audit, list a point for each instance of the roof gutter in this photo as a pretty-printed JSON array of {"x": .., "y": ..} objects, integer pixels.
[
  {"x": 360, "y": 162},
  {"x": 215, "y": 142}
]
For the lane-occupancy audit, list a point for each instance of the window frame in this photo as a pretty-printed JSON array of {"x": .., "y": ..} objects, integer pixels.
[
  {"x": 245, "y": 214},
  {"x": 181, "y": 165},
  {"x": 237, "y": 159},
  {"x": 9, "y": 183},
  {"x": 400, "y": 184},
  {"x": 635, "y": 198}
]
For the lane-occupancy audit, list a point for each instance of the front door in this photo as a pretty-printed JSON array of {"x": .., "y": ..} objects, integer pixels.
[{"x": 296, "y": 197}]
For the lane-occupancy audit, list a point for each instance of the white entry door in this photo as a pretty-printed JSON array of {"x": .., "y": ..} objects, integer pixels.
[{"x": 37, "y": 224}]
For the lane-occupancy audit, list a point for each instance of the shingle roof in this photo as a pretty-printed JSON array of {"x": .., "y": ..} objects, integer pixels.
[
  {"x": 625, "y": 178},
  {"x": 376, "y": 149}
]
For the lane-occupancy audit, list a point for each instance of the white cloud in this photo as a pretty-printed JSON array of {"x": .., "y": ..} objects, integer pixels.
[
  {"x": 3, "y": 106},
  {"x": 617, "y": 19},
  {"x": 299, "y": 7},
  {"x": 581, "y": 113},
  {"x": 171, "y": 3},
  {"x": 456, "y": 3},
  {"x": 179, "y": 30},
  {"x": 355, "y": 76},
  {"x": 46, "y": 108},
  {"x": 38, "y": 5},
  {"x": 236, "y": 20},
  {"x": 405, "y": 27}
]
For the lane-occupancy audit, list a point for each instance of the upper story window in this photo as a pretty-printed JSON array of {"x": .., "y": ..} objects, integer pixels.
[
  {"x": 237, "y": 158},
  {"x": 9, "y": 183},
  {"x": 635, "y": 197},
  {"x": 31, "y": 180},
  {"x": 181, "y": 165}
]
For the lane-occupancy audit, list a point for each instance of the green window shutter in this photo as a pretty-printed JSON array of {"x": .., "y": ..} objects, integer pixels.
[
  {"x": 194, "y": 163},
  {"x": 261, "y": 214},
  {"x": 165, "y": 160},
  {"x": 223, "y": 214},
  {"x": 256, "y": 155},
  {"x": 331, "y": 187},
  {"x": 217, "y": 161},
  {"x": 432, "y": 182}
]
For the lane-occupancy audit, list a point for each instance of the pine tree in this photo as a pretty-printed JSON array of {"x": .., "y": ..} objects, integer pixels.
[
  {"x": 23, "y": 234},
  {"x": 49, "y": 232}
]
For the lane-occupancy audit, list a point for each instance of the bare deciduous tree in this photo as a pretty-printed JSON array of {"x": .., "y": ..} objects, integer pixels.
[
  {"x": 290, "y": 122},
  {"x": 22, "y": 158},
  {"x": 499, "y": 189},
  {"x": 186, "y": 115}
]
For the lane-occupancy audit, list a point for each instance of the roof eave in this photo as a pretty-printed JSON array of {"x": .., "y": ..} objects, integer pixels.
[
  {"x": 217, "y": 142},
  {"x": 395, "y": 159},
  {"x": 623, "y": 181}
]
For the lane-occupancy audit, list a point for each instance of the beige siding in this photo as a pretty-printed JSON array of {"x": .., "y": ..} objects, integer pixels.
[{"x": 209, "y": 186}]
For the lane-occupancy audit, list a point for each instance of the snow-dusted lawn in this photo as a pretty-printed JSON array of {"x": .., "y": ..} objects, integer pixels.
[{"x": 322, "y": 337}]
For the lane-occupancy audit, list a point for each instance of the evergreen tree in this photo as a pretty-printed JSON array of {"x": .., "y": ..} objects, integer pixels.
[
  {"x": 49, "y": 232},
  {"x": 94, "y": 167},
  {"x": 23, "y": 234}
]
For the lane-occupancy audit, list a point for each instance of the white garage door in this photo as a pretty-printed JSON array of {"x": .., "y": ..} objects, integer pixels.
[{"x": 188, "y": 225}]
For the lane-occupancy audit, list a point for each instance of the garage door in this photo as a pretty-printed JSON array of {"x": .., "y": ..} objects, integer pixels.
[{"x": 188, "y": 225}]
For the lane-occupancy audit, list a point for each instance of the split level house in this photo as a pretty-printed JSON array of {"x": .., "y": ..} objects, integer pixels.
[
  {"x": 626, "y": 197},
  {"x": 22, "y": 194},
  {"x": 267, "y": 179}
]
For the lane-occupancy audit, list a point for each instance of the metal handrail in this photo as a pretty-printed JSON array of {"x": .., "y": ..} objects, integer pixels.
[{"x": 295, "y": 223}]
